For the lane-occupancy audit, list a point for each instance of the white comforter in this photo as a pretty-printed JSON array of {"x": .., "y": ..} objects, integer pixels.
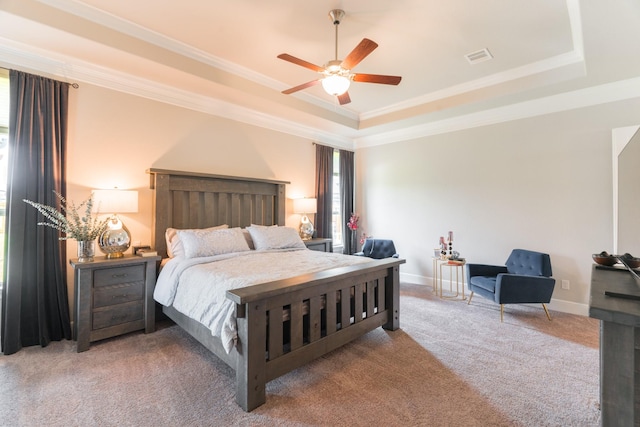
[{"x": 197, "y": 287}]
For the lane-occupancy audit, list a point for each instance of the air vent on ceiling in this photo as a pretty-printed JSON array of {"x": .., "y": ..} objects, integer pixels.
[{"x": 479, "y": 56}]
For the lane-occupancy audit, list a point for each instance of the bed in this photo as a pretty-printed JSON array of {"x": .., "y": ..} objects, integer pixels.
[{"x": 282, "y": 324}]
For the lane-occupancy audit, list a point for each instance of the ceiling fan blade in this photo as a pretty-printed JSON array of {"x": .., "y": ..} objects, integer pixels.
[
  {"x": 360, "y": 52},
  {"x": 344, "y": 98},
  {"x": 302, "y": 86},
  {"x": 377, "y": 78},
  {"x": 301, "y": 62}
]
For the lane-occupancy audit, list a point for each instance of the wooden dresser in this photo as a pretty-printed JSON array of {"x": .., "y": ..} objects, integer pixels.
[
  {"x": 113, "y": 297},
  {"x": 619, "y": 346}
]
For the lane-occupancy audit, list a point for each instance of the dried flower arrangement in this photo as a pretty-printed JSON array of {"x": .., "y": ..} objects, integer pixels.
[{"x": 74, "y": 221}]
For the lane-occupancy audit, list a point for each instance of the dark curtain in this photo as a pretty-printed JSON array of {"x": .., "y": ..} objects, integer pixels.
[
  {"x": 347, "y": 182},
  {"x": 35, "y": 308},
  {"x": 324, "y": 191}
]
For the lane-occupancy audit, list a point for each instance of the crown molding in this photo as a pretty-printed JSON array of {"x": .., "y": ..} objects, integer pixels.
[
  {"x": 29, "y": 58},
  {"x": 132, "y": 29},
  {"x": 595, "y": 95},
  {"x": 100, "y": 17},
  {"x": 17, "y": 55},
  {"x": 529, "y": 70}
]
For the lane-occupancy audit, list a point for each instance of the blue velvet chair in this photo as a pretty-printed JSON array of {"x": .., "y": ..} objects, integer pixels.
[
  {"x": 378, "y": 249},
  {"x": 526, "y": 278}
]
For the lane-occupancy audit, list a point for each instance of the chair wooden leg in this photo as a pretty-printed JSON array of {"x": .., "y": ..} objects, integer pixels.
[
  {"x": 501, "y": 313},
  {"x": 546, "y": 311},
  {"x": 470, "y": 296}
]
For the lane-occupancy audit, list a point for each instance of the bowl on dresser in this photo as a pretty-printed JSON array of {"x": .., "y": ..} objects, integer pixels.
[{"x": 604, "y": 258}]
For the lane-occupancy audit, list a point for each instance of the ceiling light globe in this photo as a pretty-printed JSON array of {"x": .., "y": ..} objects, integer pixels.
[{"x": 336, "y": 85}]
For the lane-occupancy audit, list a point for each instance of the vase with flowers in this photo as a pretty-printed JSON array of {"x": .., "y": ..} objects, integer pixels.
[
  {"x": 77, "y": 222},
  {"x": 353, "y": 226}
]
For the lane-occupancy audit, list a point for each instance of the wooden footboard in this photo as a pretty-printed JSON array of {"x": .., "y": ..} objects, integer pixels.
[
  {"x": 285, "y": 324},
  {"x": 357, "y": 299}
]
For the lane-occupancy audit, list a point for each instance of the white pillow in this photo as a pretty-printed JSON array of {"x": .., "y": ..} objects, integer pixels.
[
  {"x": 275, "y": 238},
  {"x": 174, "y": 244},
  {"x": 202, "y": 243},
  {"x": 247, "y": 237}
]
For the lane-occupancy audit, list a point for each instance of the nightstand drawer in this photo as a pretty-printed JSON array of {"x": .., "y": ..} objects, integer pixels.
[
  {"x": 123, "y": 313},
  {"x": 117, "y": 294},
  {"x": 118, "y": 275}
]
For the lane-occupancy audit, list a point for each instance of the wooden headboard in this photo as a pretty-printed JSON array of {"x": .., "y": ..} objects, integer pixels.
[{"x": 198, "y": 200}]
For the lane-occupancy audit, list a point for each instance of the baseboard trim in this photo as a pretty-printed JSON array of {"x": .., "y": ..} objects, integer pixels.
[
  {"x": 569, "y": 307},
  {"x": 415, "y": 279}
]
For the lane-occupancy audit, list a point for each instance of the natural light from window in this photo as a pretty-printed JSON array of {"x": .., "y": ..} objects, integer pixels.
[
  {"x": 4, "y": 140},
  {"x": 338, "y": 223}
]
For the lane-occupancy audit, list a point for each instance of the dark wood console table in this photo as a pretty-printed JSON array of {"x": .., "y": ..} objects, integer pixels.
[{"x": 619, "y": 346}]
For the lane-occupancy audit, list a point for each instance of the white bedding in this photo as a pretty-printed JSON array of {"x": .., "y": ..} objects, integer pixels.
[{"x": 197, "y": 287}]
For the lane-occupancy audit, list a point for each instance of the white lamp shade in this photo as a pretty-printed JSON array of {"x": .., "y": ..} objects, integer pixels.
[
  {"x": 115, "y": 201},
  {"x": 305, "y": 206},
  {"x": 335, "y": 85}
]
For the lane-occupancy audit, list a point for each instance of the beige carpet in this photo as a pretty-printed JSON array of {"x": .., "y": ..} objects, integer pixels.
[{"x": 450, "y": 365}]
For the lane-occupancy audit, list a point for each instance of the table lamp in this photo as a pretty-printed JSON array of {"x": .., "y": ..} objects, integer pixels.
[
  {"x": 305, "y": 206},
  {"x": 116, "y": 238}
]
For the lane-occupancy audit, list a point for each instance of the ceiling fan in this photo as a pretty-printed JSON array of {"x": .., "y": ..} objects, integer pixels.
[{"x": 336, "y": 74}]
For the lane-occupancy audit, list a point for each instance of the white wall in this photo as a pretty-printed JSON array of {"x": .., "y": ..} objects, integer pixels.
[
  {"x": 543, "y": 183},
  {"x": 114, "y": 138}
]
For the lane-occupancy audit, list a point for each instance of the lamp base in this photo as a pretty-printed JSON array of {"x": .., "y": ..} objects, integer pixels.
[
  {"x": 306, "y": 228},
  {"x": 115, "y": 255},
  {"x": 115, "y": 240}
]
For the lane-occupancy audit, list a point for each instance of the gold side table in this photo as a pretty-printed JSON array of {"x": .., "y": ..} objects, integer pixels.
[{"x": 455, "y": 266}]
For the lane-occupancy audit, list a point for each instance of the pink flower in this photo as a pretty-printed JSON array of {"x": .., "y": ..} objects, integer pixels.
[{"x": 353, "y": 222}]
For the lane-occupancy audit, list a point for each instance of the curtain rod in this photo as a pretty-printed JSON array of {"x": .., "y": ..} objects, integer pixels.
[{"x": 331, "y": 146}]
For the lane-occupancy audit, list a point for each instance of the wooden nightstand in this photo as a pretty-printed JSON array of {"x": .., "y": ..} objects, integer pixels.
[
  {"x": 320, "y": 244},
  {"x": 113, "y": 297}
]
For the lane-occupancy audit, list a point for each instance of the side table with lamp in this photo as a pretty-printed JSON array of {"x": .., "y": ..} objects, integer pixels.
[
  {"x": 113, "y": 297},
  {"x": 114, "y": 294}
]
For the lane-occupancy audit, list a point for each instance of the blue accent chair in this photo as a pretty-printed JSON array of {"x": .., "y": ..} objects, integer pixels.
[
  {"x": 526, "y": 278},
  {"x": 378, "y": 249}
]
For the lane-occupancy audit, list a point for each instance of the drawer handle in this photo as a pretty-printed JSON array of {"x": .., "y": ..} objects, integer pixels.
[
  {"x": 118, "y": 276},
  {"x": 122, "y": 317},
  {"x": 120, "y": 296}
]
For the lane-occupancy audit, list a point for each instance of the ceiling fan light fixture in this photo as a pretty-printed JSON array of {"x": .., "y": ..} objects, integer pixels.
[
  {"x": 336, "y": 84},
  {"x": 336, "y": 74},
  {"x": 334, "y": 67}
]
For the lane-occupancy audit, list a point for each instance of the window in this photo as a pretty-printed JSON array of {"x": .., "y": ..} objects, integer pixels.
[
  {"x": 337, "y": 220},
  {"x": 4, "y": 139}
]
